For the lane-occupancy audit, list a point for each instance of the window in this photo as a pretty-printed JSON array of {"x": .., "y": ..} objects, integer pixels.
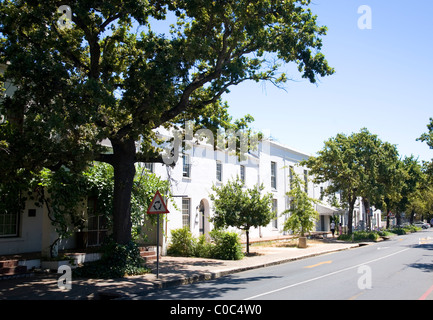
[
  {"x": 186, "y": 212},
  {"x": 186, "y": 166},
  {"x": 8, "y": 224},
  {"x": 243, "y": 174},
  {"x": 273, "y": 175},
  {"x": 219, "y": 171},
  {"x": 97, "y": 224},
  {"x": 306, "y": 180},
  {"x": 149, "y": 167},
  {"x": 275, "y": 210}
]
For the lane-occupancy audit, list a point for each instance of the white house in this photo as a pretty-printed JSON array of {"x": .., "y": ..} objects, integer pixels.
[{"x": 200, "y": 167}]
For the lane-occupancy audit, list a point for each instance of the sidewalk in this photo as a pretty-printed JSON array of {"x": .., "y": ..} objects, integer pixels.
[{"x": 172, "y": 271}]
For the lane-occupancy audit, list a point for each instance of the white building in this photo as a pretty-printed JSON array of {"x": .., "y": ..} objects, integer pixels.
[
  {"x": 197, "y": 170},
  {"x": 200, "y": 167}
]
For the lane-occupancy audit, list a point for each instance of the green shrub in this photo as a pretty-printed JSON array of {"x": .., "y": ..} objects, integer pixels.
[
  {"x": 360, "y": 236},
  {"x": 405, "y": 229},
  {"x": 203, "y": 248},
  {"x": 223, "y": 245},
  {"x": 227, "y": 245},
  {"x": 365, "y": 235},
  {"x": 117, "y": 261},
  {"x": 182, "y": 243},
  {"x": 345, "y": 237},
  {"x": 399, "y": 231},
  {"x": 384, "y": 233},
  {"x": 411, "y": 228}
]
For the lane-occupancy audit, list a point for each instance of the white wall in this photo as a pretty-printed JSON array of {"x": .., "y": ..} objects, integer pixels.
[{"x": 30, "y": 233}]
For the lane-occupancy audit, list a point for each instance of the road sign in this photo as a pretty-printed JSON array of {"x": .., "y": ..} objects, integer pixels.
[{"x": 157, "y": 206}]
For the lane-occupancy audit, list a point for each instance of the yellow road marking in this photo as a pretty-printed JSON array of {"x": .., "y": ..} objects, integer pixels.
[
  {"x": 319, "y": 264},
  {"x": 356, "y": 296},
  {"x": 425, "y": 240}
]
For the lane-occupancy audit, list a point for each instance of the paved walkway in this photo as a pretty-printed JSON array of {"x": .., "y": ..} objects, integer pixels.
[{"x": 172, "y": 271}]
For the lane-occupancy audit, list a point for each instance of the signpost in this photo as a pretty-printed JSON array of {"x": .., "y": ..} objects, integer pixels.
[{"x": 157, "y": 206}]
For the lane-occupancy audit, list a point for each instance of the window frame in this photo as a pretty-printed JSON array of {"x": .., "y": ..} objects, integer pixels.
[
  {"x": 9, "y": 225},
  {"x": 219, "y": 171},
  {"x": 273, "y": 175},
  {"x": 186, "y": 166},
  {"x": 242, "y": 173},
  {"x": 186, "y": 213}
]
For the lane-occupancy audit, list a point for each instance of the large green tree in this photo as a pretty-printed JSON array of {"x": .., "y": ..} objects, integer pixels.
[
  {"x": 390, "y": 180},
  {"x": 369, "y": 152},
  {"x": 422, "y": 200},
  {"x": 337, "y": 162},
  {"x": 418, "y": 196},
  {"x": 411, "y": 187},
  {"x": 106, "y": 75},
  {"x": 428, "y": 136},
  {"x": 359, "y": 165}
]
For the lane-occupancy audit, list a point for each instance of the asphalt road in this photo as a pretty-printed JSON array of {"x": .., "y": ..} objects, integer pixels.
[{"x": 397, "y": 269}]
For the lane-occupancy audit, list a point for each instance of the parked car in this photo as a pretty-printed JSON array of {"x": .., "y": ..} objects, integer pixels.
[{"x": 422, "y": 225}]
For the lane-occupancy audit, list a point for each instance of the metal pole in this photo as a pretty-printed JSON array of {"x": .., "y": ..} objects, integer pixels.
[{"x": 157, "y": 247}]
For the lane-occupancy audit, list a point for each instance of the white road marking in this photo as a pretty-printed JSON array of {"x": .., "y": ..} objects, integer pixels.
[{"x": 324, "y": 276}]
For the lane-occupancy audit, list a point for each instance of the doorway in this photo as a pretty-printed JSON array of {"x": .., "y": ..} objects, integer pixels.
[{"x": 204, "y": 217}]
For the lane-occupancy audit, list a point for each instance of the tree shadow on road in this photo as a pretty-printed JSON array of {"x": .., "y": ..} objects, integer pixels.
[
  {"x": 426, "y": 267},
  {"x": 212, "y": 289}
]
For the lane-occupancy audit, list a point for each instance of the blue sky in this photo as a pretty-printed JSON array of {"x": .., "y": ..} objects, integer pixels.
[{"x": 383, "y": 81}]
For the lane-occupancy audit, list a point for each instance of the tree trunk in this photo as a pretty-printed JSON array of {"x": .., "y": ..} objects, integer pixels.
[
  {"x": 367, "y": 213},
  {"x": 350, "y": 219},
  {"x": 350, "y": 214},
  {"x": 388, "y": 210},
  {"x": 124, "y": 172},
  {"x": 398, "y": 216},
  {"x": 248, "y": 241},
  {"x": 412, "y": 216}
]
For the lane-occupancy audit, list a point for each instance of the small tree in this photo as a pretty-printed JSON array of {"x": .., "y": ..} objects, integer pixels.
[
  {"x": 303, "y": 216},
  {"x": 242, "y": 208}
]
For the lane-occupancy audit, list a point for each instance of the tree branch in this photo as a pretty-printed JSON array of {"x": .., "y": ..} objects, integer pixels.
[
  {"x": 109, "y": 20},
  {"x": 139, "y": 157},
  {"x": 107, "y": 158},
  {"x": 95, "y": 49}
]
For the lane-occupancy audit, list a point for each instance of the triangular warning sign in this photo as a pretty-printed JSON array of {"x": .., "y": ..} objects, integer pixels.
[{"x": 157, "y": 206}]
